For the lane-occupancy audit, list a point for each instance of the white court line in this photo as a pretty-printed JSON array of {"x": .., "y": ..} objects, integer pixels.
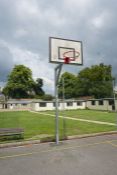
[{"x": 78, "y": 119}]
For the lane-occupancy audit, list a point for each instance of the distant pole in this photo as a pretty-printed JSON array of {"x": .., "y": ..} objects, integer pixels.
[
  {"x": 64, "y": 122},
  {"x": 114, "y": 98},
  {"x": 114, "y": 93}
]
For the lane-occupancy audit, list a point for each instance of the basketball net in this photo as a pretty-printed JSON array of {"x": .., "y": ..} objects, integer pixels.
[{"x": 66, "y": 60}]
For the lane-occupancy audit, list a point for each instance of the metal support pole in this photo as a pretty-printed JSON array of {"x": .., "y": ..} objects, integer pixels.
[{"x": 57, "y": 74}]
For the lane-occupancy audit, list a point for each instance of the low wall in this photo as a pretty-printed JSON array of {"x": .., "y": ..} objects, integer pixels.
[{"x": 51, "y": 106}]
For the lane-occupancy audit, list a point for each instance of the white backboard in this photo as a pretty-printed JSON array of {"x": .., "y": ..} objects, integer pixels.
[{"x": 60, "y": 48}]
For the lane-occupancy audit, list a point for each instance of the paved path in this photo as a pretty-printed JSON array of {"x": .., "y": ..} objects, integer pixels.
[
  {"x": 78, "y": 119},
  {"x": 90, "y": 156}
]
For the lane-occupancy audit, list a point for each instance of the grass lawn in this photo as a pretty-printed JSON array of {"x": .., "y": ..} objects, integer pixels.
[
  {"x": 89, "y": 115},
  {"x": 35, "y": 124}
]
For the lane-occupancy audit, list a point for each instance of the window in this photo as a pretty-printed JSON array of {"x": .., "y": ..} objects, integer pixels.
[
  {"x": 111, "y": 102},
  {"x": 24, "y": 104},
  {"x": 69, "y": 104},
  {"x": 54, "y": 104},
  {"x": 100, "y": 102},
  {"x": 42, "y": 104},
  {"x": 93, "y": 102},
  {"x": 79, "y": 103}
]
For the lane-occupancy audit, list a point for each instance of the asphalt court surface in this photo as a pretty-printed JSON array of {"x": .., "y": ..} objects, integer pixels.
[{"x": 90, "y": 156}]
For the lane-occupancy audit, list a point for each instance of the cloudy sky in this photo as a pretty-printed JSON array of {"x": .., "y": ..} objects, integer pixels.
[{"x": 26, "y": 25}]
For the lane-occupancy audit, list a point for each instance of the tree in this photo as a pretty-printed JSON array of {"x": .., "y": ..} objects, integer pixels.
[
  {"x": 95, "y": 81},
  {"x": 47, "y": 97},
  {"x": 38, "y": 87},
  {"x": 20, "y": 83},
  {"x": 69, "y": 85}
]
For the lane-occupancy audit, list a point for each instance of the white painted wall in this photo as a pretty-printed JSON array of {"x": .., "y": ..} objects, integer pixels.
[
  {"x": 35, "y": 105},
  {"x": 50, "y": 106},
  {"x": 105, "y": 105}
]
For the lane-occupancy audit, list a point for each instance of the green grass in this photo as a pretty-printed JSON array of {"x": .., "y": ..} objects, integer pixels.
[
  {"x": 36, "y": 125},
  {"x": 33, "y": 124},
  {"x": 89, "y": 115}
]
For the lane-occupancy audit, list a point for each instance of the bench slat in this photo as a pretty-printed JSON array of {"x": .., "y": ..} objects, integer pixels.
[{"x": 11, "y": 131}]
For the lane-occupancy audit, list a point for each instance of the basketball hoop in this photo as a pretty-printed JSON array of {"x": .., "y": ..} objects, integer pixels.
[{"x": 70, "y": 56}]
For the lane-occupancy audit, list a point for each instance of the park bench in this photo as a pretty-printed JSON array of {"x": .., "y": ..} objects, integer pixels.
[{"x": 11, "y": 133}]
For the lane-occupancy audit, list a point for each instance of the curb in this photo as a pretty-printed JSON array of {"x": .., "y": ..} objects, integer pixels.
[
  {"x": 91, "y": 135},
  {"x": 15, "y": 144},
  {"x": 24, "y": 143}
]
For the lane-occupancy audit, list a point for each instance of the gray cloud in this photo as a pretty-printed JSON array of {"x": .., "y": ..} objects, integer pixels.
[
  {"x": 27, "y": 24},
  {"x": 6, "y": 63}
]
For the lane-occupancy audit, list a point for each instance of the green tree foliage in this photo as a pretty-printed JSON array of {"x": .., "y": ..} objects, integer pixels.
[
  {"x": 47, "y": 97},
  {"x": 21, "y": 84},
  {"x": 69, "y": 81},
  {"x": 95, "y": 81},
  {"x": 38, "y": 87}
]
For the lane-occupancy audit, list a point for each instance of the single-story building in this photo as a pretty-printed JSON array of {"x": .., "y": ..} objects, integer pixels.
[
  {"x": 50, "y": 105},
  {"x": 16, "y": 104},
  {"x": 107, "y": 104}
]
